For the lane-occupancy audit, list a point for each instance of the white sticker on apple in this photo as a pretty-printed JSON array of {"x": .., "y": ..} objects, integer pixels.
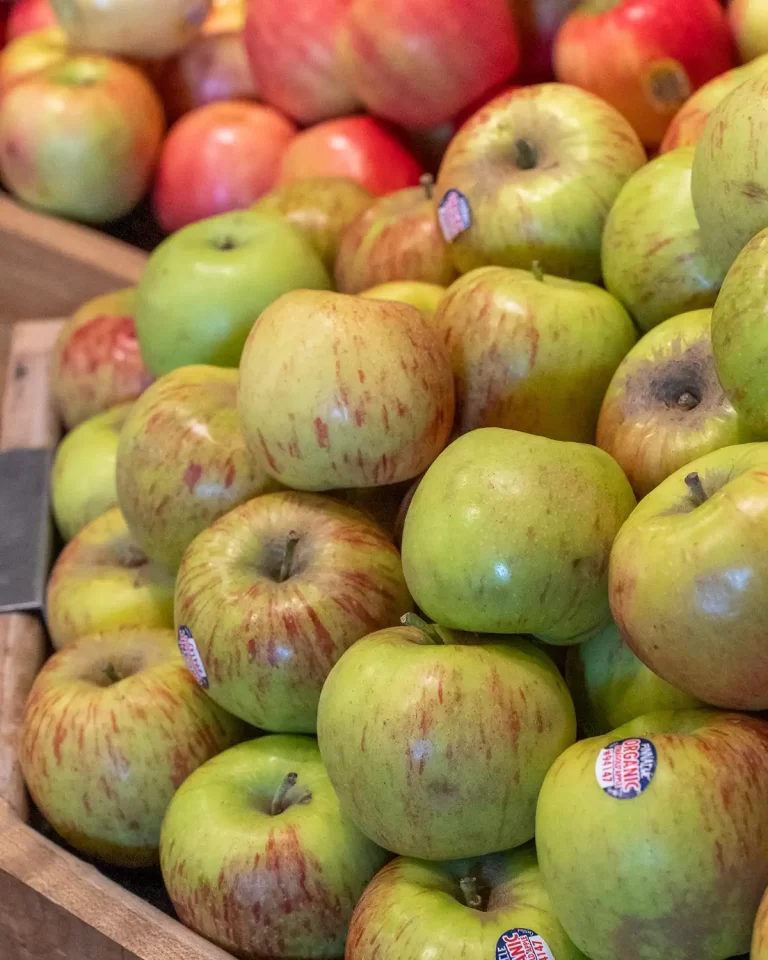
[
  {"x": 625, "y": 768},
  {"x": 454, "y": 215},
  {"x": 191, "y": 655},
  {"x": 522, "y": 944}
]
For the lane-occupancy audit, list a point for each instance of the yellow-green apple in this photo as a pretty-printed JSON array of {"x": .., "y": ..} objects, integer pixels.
[
  {"x": 103, "y": 582},
  {"x": 759, "y": 949},
  {"x": 532, "y": 176},
  {"x": 511, "y": 533},
  {"x": 205, "y": 287},
  {"x": 689, "y": 578},
  {"x": 321, "y": 208},
  {"x": 537, "y": 24},
  {"x": 274, "y": 592},
  {"x": 96, "y": 362},
  {"x": 652, "y": 836},
  {"x": 665, "y": 406},
  {"x": 654, "y": 257},
  {"x": 182, "y": 461},
  {"x": 258, "y": 856},
  {"x": 31, "y": 53},
  {"x": 487, "y": 907},
  {"x": 83, "y": 483},
  {"x": 425, "y": 296},
  {"x": 437, "y": 742},
  {"x": 338, "y": 391},
  {"x": 750, "y": 29},
  {"x": 81, "y": 138},
  {"x": 29, "y": 16},
  {"x": 532, "y": 352},
  {"x": 396, "y": 238},
  {"x": 113, "y": 726}
]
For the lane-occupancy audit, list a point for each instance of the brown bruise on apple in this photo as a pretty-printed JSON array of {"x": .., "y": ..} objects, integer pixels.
[{"x": 666, "y": 85}]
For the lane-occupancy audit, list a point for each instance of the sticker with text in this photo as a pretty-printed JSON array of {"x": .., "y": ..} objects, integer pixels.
[
  {"x": 454, "y": 215},
  {"x": 522, "y": 944},
  {"x": 191, "y": 656},
  {"x": 625, "y": 768}
]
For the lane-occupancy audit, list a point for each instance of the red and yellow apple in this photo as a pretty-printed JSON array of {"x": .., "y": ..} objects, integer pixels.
[
  {"x": 29, "y": 16},
  {"x": 30, "y": 53}
]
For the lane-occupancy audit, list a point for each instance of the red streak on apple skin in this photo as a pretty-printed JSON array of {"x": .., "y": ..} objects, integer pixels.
[
  {"x": 192, "y": 476},
  {"x": 321, "y": 432},
  {"x": 267, "y": 453},
  {"x": 103, "y": 339},
  {"x": 229, "y": 476}
]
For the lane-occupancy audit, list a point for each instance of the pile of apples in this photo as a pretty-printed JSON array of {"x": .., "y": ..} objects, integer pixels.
[{"x": 415, "y": 588}]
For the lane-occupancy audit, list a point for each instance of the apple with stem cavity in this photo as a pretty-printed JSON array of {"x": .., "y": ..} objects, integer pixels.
[
  {"x": 30, "y": 53},
  {"x": 427, "y": 297},
  {"x": 748, "y": 22},
  {"x": 29, "y": 16}
]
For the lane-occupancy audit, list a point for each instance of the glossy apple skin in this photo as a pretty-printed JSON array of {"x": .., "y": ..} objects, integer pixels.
[
  {"x": 532, "y": 354},
  {"x": 81, "y": 138},
  {"x": 554, "y": 212},
  {"x": 748, "y": 22},
  {"x": 473, "y": 563},
  {"x": 645, "y": 57},
  {"x": 678, "y": 871},
  {"x": 665, "y": 406},
  {"x": 103, "y": 582},
  {"x": 537, "y": 24},
  {"x": 102, "y": 760},
  {"x": 358, "y": 147},
  {"x": 338, "y": 391},
  {"x": 425, "y": 296},
  {"x": 263, "y": 886},
  {"x": 30, "y": 53},
  {"x": 29, "y": 16}
]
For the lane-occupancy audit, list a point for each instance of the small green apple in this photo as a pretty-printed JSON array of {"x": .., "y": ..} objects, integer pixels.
[
  {"x": 425, "y": 296},
  {"x": 749, "y": 20}
]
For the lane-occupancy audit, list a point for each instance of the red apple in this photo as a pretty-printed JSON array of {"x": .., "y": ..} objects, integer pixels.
[
  {"x": 30, "y": 53},
  {"x": 29, "y": 16},
  {"x": 218, "y": 158},
  {"x": 645, "y": 57},
  {"x": 356, "y": 147},
  {"x": 537, "y": 24}
]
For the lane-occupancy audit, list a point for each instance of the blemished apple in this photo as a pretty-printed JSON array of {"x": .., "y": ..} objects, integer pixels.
[
  {"x": 427, "y": 297},
  {"x": 103, "y": 582},
  {"x": 337, "y": 391},
  {"x": 532, "y": 352},
  {"x": 437, "y": 742},
  {"x": 204, "y": 287},
  {"x": 689, "y": 578},
  {"x": 411, "y": 908},
  {"x": 665, "y": 406},
  {"x": 113, "y": 726},
  {"x": 30, "y": 53},
  {"x": 258, "y": 856},
  {"x": 532, "y": 176},
  {"x": 651, "y": 836},
  {"x": 274, "y": 592},
  {"x": 29, "y": 16},
  {"x": 750, "y": 29},
  {"x": 83, "y": 483},
  {"x": 511, "y": 533},
  {"x": 655, "y": 260}
]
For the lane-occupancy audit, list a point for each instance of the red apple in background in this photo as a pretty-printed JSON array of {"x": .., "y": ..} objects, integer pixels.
[
  {"x": 218, "y": 158},
  {"x": 537, "y": 24},
  {"x": 29, "y": 16},
  {"x": 30, "y": 53},
  {"x": 356, "y": 147},
  {"x": 645, "y": 57}
]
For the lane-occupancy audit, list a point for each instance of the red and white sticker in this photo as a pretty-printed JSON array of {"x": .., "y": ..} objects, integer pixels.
[
  {"x": 626, "y": 768},
  {"x": 191, "y": 655},
  {"x": 454, "y": 215},
  {"x": 522, "y": 944}
]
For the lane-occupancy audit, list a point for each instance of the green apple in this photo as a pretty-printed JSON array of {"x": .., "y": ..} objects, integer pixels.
[
  {"x": 425, "y": 296},
  {"x": 258, "y": 856},
  {"x": 204, "y": 287},
  {"x": 689, "y": 578},
  {"x": 534, "y": 174},
  {"x": 653, "y": 840},
  {"x": 103, "y": 581},
  {"x": 749, "y": 20},
  {"x": 511, "y": 533},
  {"x": 437, "y": 742},
  {"x": 654, "y": 258},
  {"x": 274, "y": 592},
  {"x": 113, "y": 726},
  {"x": 532, "y": 352},
  {"x": 490, "y": 908}
]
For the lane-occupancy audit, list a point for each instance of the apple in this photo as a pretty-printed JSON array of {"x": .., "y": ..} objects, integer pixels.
[
  {"x": 103, "y": 582},
  {"x": 651, "y": 836},
  {"x": 396, "y": 238},
  {"x": 258, "y": 856},
  {"x": 655, "y": 260},
  {"x": 748, "y": 22},
  {"x": 537, "y": 24},
  {"x": 437, "y": 743},
  {"x": 81, "y": 138},
  {"x": 532, "y": 352},
  {"x": 665, "y": 406},
  {"x": 759, "y": 950},
  {"x": 511, "y": 533},
  {"x": 113, "y": 726},
  {"x": 532, "y": 176},
  {"x": 358, "y": 147},
  {"x": 217, "y": 158},
  {"x": 204, "y": 287},
  {"x": 321, "y": 208},
  {"x": 645, "y": 57},
  {"x": 425, "y": 296},
  {"x": 414, "y": 903},
  {"x": 29, "y": 16},
  {"x": 338, "y": 391},
  {"x": 30, "y": 53},
  {"x": 182, "y": 461},
  {"x": 688, "y": 578}
]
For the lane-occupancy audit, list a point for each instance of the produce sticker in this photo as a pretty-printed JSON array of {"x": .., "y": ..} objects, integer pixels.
[
  {"x": 625, "y": 768},
  {"x": 522, "y": 944},
  {"x": 191, "y": 655},
  {"x": 454, "y": 215}
]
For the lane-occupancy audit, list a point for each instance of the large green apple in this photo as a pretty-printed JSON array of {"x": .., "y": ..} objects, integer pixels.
[
  {"x": 654, "y": 258},
  {"x": 437, "y": 742},
  {"x": 532, "y": 352},
  {"x": 491, "y": 908},
  {"x": 689, "y": 578},
  {"x": 258, "y": 856},
  {"x": 511, "y": 533},
  {"x": 532, "y": 176},
  {"x": 425, "y": 296},
  {"x": 204, "y": 287},
  {"x": 653, "y": 839}
]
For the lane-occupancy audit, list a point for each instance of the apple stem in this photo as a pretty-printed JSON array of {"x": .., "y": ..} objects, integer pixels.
[
  {"x": 469, "y": 891},
  {"x": 289, "y": 781},
  {"x": 291, "y": 543},
  {"x": 111, "y": 673},
  {"x": 526, "y": 155},
  {"x": 414, "y": 620},
  {"x": 687, "y": 401},
  {"x": 694, "y": 484},
  {"x": 538, "y": 273},
  {"x": 427, "y": 181}
]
